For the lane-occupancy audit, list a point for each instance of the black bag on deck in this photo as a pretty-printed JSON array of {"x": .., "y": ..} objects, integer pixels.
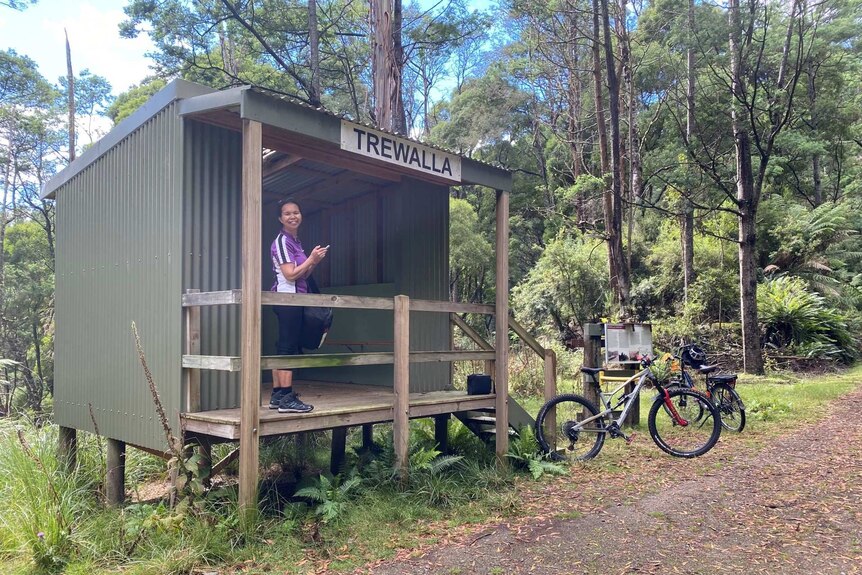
[
  {"x": 478, "y": 384},
  {"x": 316, "y": 321}
]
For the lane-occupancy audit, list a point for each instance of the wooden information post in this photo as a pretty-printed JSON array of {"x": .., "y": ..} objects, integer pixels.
[{"x": 594, "y": 357}]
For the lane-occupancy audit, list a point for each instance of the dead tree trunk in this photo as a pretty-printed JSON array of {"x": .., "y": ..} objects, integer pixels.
[{"x": 70, "y": 80}]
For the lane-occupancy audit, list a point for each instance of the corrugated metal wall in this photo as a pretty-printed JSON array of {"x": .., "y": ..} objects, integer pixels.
[
  {"x": 382, "y": 244},
  {"x": 118, "y": 261},
  {"x": 423, "y": 236},
  {"x": 212, "y": 226}
]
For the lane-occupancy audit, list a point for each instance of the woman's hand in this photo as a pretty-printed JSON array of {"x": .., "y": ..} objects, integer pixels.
[{"x": 318, "y": 253}]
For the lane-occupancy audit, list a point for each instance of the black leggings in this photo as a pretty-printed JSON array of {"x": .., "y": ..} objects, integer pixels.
[{"x": 289, "y": 330}]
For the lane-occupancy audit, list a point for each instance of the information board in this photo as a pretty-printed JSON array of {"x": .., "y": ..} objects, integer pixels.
[{"x": 627, "y": 343}]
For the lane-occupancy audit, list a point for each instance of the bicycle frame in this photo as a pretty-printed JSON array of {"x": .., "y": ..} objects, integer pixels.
[{"x": 628, "y": 400}]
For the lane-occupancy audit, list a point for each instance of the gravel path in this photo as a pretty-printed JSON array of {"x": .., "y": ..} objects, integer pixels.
[{"x": 792, "y": 506}]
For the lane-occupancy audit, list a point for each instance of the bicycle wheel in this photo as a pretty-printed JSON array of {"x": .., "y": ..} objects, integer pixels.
[
  {"x": 730, "y": 405},
  {"x": 696, "y": 430},
  {"x": 568, "y": 438}
]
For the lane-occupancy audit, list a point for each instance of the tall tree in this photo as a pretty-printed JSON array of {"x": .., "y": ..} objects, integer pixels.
[
  {"x": 748, "y": 77},
  {"x": 314, "y": 51},
  {"x": 387, "y": 64},
  {"x": 619, "y": 275},
  {"x": 687, "y": 218}
]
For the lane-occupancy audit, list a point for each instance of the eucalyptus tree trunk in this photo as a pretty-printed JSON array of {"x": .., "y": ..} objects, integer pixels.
[
  {"x": 817, "y": 197},
  {"x": 634, "y": 161},
  {"x": 574, "y": 124},
  {"x": 746, "y": 200},
  {"x": 387, "y": 63},
  {"x": 314, "y": 54},
  {"x": 613, "y": 203},
  {"x": 687, "y": 218}
]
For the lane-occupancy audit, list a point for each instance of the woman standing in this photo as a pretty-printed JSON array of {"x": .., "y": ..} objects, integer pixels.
[{"x": 291, "y": 267}]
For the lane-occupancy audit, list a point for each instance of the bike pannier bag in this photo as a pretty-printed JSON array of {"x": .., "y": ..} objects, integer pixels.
[{"x": 316, "y": 322}]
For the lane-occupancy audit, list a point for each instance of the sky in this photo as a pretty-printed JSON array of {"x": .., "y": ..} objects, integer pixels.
[{"x": 94, "y": 37}]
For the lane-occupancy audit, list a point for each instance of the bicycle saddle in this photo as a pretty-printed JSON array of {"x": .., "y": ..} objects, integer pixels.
[
  {"x": 704, "y": 369},
  {"x": 592, "y": 370}
]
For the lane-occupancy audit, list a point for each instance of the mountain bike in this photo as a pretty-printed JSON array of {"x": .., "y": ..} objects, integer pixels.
[
  {"x": 682, "y": 421},
  {"x": 720, "y": 388}
]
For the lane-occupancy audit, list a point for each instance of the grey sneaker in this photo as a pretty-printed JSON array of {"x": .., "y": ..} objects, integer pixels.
[
  {"x": 290, "y": 403},
  {"x": 277, "y": 394}
]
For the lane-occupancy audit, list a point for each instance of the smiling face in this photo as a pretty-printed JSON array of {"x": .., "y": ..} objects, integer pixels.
[{"x": 290, "y": 218}]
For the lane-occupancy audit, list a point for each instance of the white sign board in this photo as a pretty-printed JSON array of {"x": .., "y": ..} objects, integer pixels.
[
  {"x": 394, "y": 150},
  {"x": 627, "y": 342}
]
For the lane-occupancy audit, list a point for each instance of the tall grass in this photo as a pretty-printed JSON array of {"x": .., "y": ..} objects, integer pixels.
[{"x": 42, "y": 506}]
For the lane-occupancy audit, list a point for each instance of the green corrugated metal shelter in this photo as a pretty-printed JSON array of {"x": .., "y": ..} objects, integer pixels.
[{"x": 155, "y": 208}]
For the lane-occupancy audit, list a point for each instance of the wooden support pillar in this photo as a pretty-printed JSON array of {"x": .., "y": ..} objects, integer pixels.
[
  {"x": 339, "y": 449},
  {"x": 67, "y": 448},
  {"x": 193, "y": 347},
  {"x": 550, "y": 390},
  {"x": 501, "y": 358},
  {"x": 592, "y": 358},
  {"x": 368, "y": 436},
  {"x": 115, "y": 480},
  {"x": 249, "y": 444},
  {"x": 441, "y": 432},
  {"x": 401, "y": 415}
]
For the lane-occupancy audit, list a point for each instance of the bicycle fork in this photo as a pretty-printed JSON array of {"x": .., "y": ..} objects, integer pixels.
[{"x": 672, "y": 408}]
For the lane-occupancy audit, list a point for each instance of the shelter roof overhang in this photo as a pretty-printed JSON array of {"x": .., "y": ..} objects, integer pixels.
[
  {"x": 288, "y": 126},
  {"x": 301, "y": 130}
]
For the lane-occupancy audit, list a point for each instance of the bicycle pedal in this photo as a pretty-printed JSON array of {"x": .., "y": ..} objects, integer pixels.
[{"x": 629, "y": 438}]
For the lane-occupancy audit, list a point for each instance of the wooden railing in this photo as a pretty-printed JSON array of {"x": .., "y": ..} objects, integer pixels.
[
  {"x": 193, "y": 361},
  {"x": 400, "y": 357}
]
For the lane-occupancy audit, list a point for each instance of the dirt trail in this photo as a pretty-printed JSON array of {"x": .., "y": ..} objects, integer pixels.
[{"x": 794, "y": 506}]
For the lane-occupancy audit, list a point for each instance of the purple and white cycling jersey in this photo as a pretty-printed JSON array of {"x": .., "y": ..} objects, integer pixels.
[{"x": 287, "y": 249}]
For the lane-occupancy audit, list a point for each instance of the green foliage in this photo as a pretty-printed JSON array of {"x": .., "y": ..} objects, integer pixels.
[
  {"x": 566, "y": 287},
  {"x": 129, "y": 101},
  {"x": 471, "y": 256},
  {"x": 524, "y": 451},
  {"x": 800, "y": 320},
  {"x": 821, "y": 245},
  {"x": 331, "y": 495},
  {"x": 42, "y": 506}
]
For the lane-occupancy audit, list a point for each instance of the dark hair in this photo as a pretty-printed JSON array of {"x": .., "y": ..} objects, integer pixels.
[{"x": 287, "y": 201}]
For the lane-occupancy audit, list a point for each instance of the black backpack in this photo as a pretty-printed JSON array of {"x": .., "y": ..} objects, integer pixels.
[{"x": 316, "y": 321}]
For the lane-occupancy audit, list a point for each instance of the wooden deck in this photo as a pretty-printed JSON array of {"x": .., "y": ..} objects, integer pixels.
[{"x": 335, "y": 405}]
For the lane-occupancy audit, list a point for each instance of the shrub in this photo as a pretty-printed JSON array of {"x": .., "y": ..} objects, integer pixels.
[{"x": 802, "y": 322}]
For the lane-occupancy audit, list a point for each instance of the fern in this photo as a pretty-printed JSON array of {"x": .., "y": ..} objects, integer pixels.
[{"x": 332, "y": 496}]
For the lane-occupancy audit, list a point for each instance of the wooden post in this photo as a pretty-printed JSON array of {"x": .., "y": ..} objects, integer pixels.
[
  {"x": 115, "y": 480},
  {"x": 368, "y": 436},
  {"x": 501, "y": 361},
  {"x": 67, "y": 447},
  {"x": 592, "y": 358},
  {"x": 401, "y": 419},
  {"x": 339, "y": 448},
  {"x": 193, "y": 347},
  {"x": 550, "y": 390},
  {"x": 249, "y": 445},
  {"x": 441, "y": 432}
]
